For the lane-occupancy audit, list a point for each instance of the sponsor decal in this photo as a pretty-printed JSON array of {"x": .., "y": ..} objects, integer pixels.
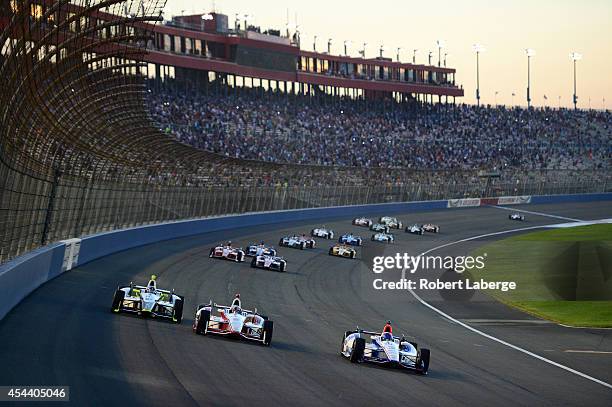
[
  {"x": 71, "y": 253},
  {"x": 463, "y": 203},
  {"x": 514, "y": 200}
]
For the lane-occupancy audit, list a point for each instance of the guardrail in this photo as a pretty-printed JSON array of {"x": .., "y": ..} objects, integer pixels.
[{"x": 22, "y": 275}]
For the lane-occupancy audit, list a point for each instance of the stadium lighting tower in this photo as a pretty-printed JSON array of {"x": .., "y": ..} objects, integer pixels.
[
  {"x": 429, "y": 55},
  {"x": 329, "y": 41},
  {"x": 440, "y": 45},
  {"x": 346, "y": 44},
  {"x": 414, "y": 52},
  {"x": 236, "y": 21},
  {"x": 574, "y": 56},
  {"x": 314, "y": 43},
  {"x": 382, "y": 48},
  {"x": 363, "y": 50},
  {"x": 530, "y": 53},
  {"x": 246, "y": 27},
  {"x": 445, "y": 55},
  {"x": 478, "y": 49},
  {"x": 398, "y": 52}
]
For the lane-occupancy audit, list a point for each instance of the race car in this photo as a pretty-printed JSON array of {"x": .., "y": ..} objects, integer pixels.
[
  {"x": 383, "y": 237},
  {"x": 322, "y": 232},
  {"x": 351, "y": 239},
  {"x": 428, "y": 227},
  {"x": 148, "y": 301},
  {"x": 393, "y": 223},
  {"x": 297, "y": 242},
  {"x": 233, "y": 321},
  {"x": 259, "y": 249},
  {"x": 362, "y": 222},
  {"x": 267, "y": 262},
  {"x": 342, "y": 250},
  {"x": 415, "y": 230},
  {"x": 384, "y": 349},
  {"x": 379, "y": 227},
  {"x": 227, "y": 252},
  {"x": 516, "y": 216}
]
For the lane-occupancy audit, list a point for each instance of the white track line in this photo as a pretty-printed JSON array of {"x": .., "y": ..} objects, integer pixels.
[
  {"x": 548, "y": 215},
  {"x": 468, "y": 327}
]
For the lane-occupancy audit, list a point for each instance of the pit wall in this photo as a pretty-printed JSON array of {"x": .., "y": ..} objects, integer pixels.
[{"x": 20, "y": 276}]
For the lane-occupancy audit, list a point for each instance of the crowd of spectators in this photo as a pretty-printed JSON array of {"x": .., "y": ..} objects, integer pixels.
[{"x": 280, "y": 129}]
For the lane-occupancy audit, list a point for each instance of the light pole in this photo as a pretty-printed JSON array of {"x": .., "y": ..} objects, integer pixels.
[
  {"x": 236, "y": 21},
  {"x": 363, "y": 50},
  {"x": 440, "y": 45},
  {"x": 314, "y": 44},
  {"x": 574, "y": 56},
  {"x": 346, "y": 48},
  {"x": 559, "y": 102},
  {"x": 246, "y": 26},
  {"x": 398, "y": 52},
  {"x": 329, "y": 41},
  {"x": 496, "y": 93},
  {"x": 414, "y": 52},
  {"x": 530, "y": 53},
  {"x": 382, "y": 48},
  {"x": 445, "y": 55},
  {"x": 478, "y": 49}
]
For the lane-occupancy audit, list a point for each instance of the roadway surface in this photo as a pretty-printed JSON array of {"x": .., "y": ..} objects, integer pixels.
[{"x": 64, "y": 334}]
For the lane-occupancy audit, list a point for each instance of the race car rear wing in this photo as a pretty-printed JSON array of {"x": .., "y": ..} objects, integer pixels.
[
  {"x": 226, "y": 307},
  {"x": 141, "y": 287},
  {"x": 375, "y": 333}
]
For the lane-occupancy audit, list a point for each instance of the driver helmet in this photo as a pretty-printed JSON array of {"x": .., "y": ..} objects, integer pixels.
[{"x": 387, "y": 336}]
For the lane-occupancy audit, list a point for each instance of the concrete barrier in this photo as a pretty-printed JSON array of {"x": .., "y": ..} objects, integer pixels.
[{"x": 21, "y": 276}]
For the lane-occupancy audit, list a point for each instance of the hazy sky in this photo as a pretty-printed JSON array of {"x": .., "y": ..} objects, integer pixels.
[{"x": 505, "y": 28}]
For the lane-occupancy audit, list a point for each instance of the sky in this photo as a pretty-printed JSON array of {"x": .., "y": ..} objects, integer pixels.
[{"x": 505, "y": 28}]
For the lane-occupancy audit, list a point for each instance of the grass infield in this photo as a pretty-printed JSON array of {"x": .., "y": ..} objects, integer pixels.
[{"x": 563, "y": 275}]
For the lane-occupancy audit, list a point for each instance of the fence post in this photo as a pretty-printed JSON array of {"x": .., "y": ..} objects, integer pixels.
[{"x": 50, "y": 203}]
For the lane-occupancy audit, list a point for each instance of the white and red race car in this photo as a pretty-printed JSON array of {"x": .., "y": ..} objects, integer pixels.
[
  {"x": 362, "y": 222},
  {"x": 431, "y": 228},
  {"x": 233, "y": 321},
  {"x": 227, "y": 252}
]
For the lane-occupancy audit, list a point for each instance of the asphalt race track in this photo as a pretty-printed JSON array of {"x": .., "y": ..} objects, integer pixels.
[{"x": 64, "y": 334}]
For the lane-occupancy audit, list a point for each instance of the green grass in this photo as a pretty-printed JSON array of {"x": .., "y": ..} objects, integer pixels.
[
  {"x": 563, "y": 275},
  {"x": 574, "y": 313}
]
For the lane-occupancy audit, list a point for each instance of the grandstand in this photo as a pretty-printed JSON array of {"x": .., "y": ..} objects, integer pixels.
[{"x": 110, "y": 119}]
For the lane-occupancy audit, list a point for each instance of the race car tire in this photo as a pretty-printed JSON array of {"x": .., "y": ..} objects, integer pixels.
[
  {"x": 254, "y": 262},
  {"x": 280, "y": 243},
  {"x": 352, "y": 255},
  {"x": 510, "y": 217},
  {"x": 373, "y": 238},
  {"x": 311, "y": 244},
  {"x": 268, "y": 330},
  {"x": 240, "y": 257},
  {"x": 331, "y": 251},
  {"x": 178, "y": 310},
  {"x": 424, "y": 361},
  {"x": 212, "y": 251},
  {"x": 354, "y": 222},
  {"x": 302, "y": 245},
  {"x": 202, "y": 325},
  {"x": 282, "y": 267},
  {"x": 117, "y": 301},
  {"x": 357, "y": 351},
  {"x": 359, "y": 242}
]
